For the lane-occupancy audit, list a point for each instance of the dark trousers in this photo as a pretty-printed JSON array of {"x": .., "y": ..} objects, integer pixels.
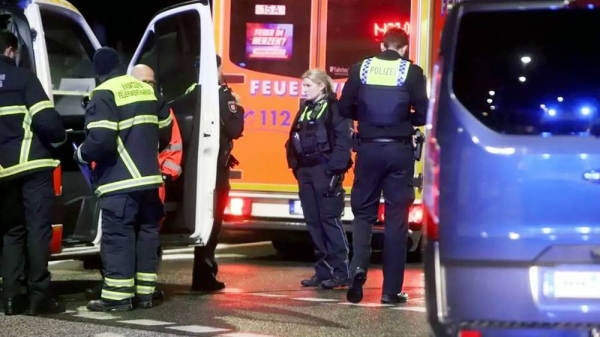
[
  {"x": 388, "y": 168},
  {"x": 130, "y": 242},
  {"x": 26, "y": 209},
  {"x": 205, "y": 265},
  {"x": 323, "y": 219}
]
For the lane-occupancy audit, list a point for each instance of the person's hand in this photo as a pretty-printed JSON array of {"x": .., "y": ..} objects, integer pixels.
[{"x": 237, "y": 98}]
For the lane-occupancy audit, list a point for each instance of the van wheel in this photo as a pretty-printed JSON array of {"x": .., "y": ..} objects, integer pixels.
[{"x": 92, "y": 262}]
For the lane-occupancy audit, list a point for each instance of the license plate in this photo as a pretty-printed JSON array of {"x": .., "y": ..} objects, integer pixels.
[
  {"x": 296, "y": 207},
  {"x": 575, "y": 284}
]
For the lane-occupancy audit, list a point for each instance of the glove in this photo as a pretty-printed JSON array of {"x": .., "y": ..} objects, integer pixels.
[
  {"x": 232, "y": 162},
  {"x": 167, "y": 178}
]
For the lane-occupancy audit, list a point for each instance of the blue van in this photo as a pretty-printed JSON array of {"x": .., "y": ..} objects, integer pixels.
[{"x": 512, "y": 171}]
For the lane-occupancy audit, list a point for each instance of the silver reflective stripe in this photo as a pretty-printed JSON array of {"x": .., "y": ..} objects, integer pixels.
[
  {"x": 170, "y": 164},
  {"x": 174, "y": 147}
]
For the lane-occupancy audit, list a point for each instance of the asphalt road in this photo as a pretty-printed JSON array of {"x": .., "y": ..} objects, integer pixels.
[{"x": 263, "y": 298}]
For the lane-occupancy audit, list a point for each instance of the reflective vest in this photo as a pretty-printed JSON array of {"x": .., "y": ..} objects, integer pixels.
[
  {"x": 136, "y": 167},
  {"x": 311, "y": 135},
  {"x": 383, "y": 99},
  {"x": 169, "y": 159}
]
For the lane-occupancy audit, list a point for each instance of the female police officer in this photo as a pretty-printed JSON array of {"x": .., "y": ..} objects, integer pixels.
[{"x": 318, "y": 152}]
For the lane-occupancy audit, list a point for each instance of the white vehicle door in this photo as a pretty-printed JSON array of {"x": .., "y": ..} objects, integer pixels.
[{"x": 179, "y": 45}]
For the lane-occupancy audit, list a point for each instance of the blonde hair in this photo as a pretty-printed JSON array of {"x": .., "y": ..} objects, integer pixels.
[{"x": 320, "y": 77}]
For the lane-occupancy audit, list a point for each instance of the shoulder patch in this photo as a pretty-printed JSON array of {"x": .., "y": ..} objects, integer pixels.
[{"x": 232, "y": 106}]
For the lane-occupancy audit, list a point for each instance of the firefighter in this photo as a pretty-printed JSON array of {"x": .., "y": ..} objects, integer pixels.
[
  {"x": 204, "y": 274},
  {"x": 379, "y": 94},
  {"x": 169, "y": 160},
  {"x": 125, "y": 121},
  {"x": 29, "y": 129},
  {"x": 318, "y": 152}
]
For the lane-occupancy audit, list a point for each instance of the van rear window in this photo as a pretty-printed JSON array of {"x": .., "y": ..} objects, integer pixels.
[{"x": 530, "y": 72}]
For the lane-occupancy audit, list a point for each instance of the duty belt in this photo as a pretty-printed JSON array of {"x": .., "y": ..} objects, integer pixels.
[
  {"x": 405, "y": 140},
  {"x": 311, "y": 160}
]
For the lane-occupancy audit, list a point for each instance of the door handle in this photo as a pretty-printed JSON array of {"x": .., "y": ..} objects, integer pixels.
[{"x": 592, "y": 176}]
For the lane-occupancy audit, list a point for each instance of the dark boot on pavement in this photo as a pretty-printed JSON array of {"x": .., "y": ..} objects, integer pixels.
[{"x": 103, "y": 305}]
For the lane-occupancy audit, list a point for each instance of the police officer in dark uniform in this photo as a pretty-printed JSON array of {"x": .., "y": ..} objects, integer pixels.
[
  {"x": 30, "y": 129},
  {"x": 318, "y": 152},
  {"x": 204, "y": 275},
  {"x": 125, "y": 122},
  {"x": 379, "y": 94}
]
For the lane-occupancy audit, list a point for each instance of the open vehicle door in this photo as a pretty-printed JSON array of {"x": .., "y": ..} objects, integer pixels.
[{"x": 179, "y": 45}]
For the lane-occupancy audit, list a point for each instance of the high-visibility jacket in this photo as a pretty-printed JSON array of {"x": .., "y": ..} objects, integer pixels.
[
  {"x": 29, "y": 125},
  {"x": 170, "y": 157},
  {"x": 125, "y": 120}
]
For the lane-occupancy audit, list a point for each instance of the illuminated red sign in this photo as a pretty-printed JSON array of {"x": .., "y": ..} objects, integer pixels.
[{"x": 380, "y": 28}]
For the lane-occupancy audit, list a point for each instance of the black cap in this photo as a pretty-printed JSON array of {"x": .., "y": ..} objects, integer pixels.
[{"x": 106, "y": 59}]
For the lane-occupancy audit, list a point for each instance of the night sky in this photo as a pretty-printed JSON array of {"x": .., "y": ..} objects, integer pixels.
[{"x": 123, "y": 20}]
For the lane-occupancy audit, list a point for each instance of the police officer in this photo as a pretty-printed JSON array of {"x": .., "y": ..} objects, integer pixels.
[
  {"x": 204, "y": 275},
  {"x": 318, "y": 152},
  {"x": 30, "y": 129},
  {"x": 125, "y": 122},
  {"x": 379, "y": 94}
]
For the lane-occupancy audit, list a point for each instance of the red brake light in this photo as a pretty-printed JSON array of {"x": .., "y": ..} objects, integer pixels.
[
  {"x": 469, "y": 333},
  {"x": 381, "y": 213},
  {"x": 415, "y": 214},
  {"x": 239, "y": 207}
]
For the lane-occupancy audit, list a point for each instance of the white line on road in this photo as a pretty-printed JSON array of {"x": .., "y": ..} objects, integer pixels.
[
  {"x": 96, "y": 315},
  {"x": 415, "y": 309},
  {"x": 242, "y": 334},
  {"x": 368, "y": 305},
  {"x": 315, "y": 299},
  {"x": 267, "y": 295},
  {"x": 197, "y": 328},
  {"x": 146, "y": 322}
]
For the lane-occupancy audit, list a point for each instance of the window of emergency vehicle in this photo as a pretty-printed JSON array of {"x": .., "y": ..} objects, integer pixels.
[
  {"x": 355, "y": 29},
  {"x": 70, "y": 52},
  {"x": 271, "y": 36},
  {"x": 172, "y": 51},
  {"x": 519, "y": 80}
]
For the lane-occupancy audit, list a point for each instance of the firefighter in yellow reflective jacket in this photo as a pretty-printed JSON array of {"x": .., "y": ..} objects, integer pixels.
[{"x": 125, "y": 121}]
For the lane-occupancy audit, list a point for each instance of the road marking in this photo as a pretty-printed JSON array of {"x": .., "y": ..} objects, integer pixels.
[
  {"x": 102, "y": 316},
  {"x": 243, "y": 334},
  {"x": 415, "y": 309},
  {"x": 315, "y": 299},
  {"x": 368, "y": 305},
  {"x": 197, "y": 328},
  {"x": 267, "y": 295},
  {"x": 146, "y": 322}
]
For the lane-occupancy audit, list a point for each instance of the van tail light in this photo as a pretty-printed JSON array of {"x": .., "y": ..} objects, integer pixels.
[
  {"x": 381, "y": 213},
  {"x": 56, "y": 241},
  {"x": 415, "y": 215},
  {"x": 469, "y": 333},
  {"x": 431, "y": 167},
  {"x": 239, "y": 207}
]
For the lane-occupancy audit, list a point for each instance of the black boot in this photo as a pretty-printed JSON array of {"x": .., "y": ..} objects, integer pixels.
[
  {"x": 45, "y": 307},
  {"x": 14, "y": 305},
  {"x": 103, "y": 305}
]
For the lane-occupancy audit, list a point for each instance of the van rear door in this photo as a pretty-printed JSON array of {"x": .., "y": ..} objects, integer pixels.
[
  {"x": 513, "y": 165},
  {"x": 179, "y": 45}
]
